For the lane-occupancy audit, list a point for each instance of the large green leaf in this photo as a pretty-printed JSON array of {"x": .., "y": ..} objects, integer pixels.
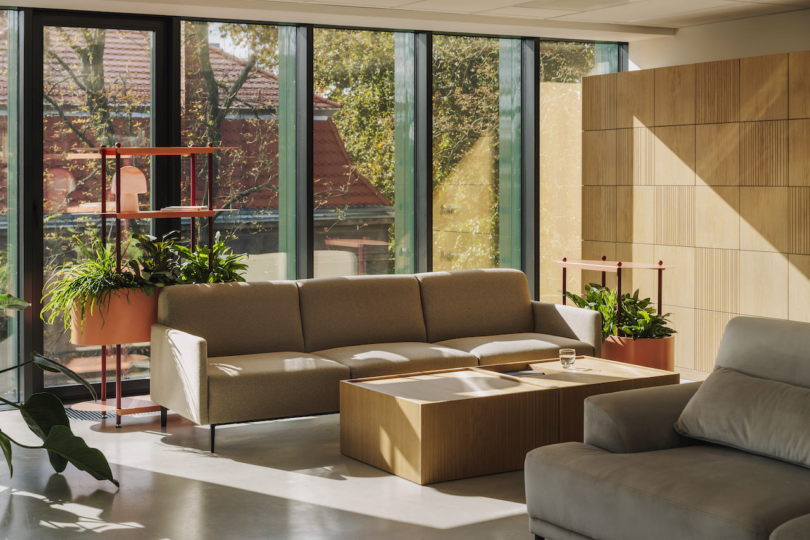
[
  {"x": 8, "y": 301},
  {"x": 5, "y": 444},
  {"x": 42, "y": 412},
  {"x": 46, "y": 364},
  {"x": 62, "y": 441}
]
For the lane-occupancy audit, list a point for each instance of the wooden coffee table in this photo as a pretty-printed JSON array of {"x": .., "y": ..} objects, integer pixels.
[{"x": 445, "y": 425}]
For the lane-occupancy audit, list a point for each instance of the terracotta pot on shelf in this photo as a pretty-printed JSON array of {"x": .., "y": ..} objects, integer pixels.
[
  {"x": 652, "y": 353},
  {"x": 128, "y": 318}
]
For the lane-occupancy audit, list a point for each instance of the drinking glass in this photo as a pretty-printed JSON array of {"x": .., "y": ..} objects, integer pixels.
[{"x": 567, "y": 358}]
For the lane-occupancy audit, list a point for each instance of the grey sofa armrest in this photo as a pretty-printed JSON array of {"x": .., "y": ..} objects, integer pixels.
[
  {"x": 569, "y": 322},
  {"x": 638, "y": 420},
  {"x": 179, "y": 373},
  {"x": 795, "y": 529}
]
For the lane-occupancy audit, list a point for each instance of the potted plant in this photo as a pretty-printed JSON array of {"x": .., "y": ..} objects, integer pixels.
[
  {"x": 46, "y": 418},
  {"x": 641, "y": 337}
]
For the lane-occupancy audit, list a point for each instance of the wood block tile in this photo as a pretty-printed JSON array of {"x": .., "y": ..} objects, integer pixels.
[
  {"x": 595, "y": 251},
  {"x": 764, "y": 284},
  {"x": 675, "y": 156},
  {"x": 765, "y": 219},
  {"x": 635, "y": 214},
  {"x": 635, "y": 103},
  {"x": 599, "y": 158},
  {"x": 717, "y": 217},
  {"x": 599, "y": 102},
  {"x": 717, "y": 154},
  {"x": 679, "y": 282},
  {"x": 717, "y": 92},
  {"x": 799, "y": 84},
  {"x": 764, "y": 153},
  {"x": 675, "y": 95},
  {"x": 799, "y": 287},
  {"x": 764, "y": 88},
  {"x": 709, "y": 328},
  {"x": 635, "y": 149},
  {"x": 800, "y": 220},
  {"x": 645, "y": 281},
  {"x": 675, "y": 215},
  {"x": 717, "y": 280},
  {"x": 683, "y": 321},
  {"x": 599, "y": 213},
  {"x": 799, "y": 152}
]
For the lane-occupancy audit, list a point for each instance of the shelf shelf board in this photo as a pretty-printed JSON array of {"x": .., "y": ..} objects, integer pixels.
[
  {"x": 129, "y": 405},
  {"x": 610, "y": 266},
  {"x": 156, "y": 214},
  {"x": 86, "y": 153}
]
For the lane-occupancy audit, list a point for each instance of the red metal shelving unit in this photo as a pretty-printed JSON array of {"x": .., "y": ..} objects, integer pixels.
[{"x": 141, "y": 404}]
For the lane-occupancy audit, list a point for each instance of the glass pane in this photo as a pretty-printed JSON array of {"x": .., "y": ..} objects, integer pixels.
[
  {"x": 354, "y": 147},
  {"x": 98, "y": 90},
  {"x": 466, "y": 137},
  {"x": 8, "y": 198},
  {"x": 236, "y": 92}
]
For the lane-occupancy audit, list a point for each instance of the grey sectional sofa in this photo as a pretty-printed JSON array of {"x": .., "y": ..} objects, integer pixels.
[
  {"x": 636, "y": 478},
  {"x": 240, "y": 352}
]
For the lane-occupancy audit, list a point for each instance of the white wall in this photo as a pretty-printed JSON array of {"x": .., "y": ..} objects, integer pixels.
[{"x": 757, "y": 36}]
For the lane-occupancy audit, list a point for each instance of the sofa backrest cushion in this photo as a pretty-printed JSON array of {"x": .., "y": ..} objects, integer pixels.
[
  {"x": 360, "y": 310},
  {"x": 771, "y": 349},
  {"x": 475, "y": 303},
  {"x": 236, "y": 318},
  {"x": 748, "y": 413}
]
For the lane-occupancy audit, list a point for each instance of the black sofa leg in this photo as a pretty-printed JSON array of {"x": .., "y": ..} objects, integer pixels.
[
  {"x": 538, "y": 537},
  {"x": 164, "y": 414},
  {"x": 213, "y": 433}
]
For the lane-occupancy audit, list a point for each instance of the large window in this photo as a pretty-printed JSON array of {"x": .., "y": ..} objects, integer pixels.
[
  {"x": 97, "y": 90},
  {"x": 476, "y": 153}
]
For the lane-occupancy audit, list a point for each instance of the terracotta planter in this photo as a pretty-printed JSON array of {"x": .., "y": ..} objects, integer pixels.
[
  {"x": 653, "y": 353},
  {"x": 127, "y": 319}
]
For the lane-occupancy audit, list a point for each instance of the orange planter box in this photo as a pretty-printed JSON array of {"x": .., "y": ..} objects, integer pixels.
[
  {"x": 651, "y": 353},
  {"x": 128, "y": 318}
]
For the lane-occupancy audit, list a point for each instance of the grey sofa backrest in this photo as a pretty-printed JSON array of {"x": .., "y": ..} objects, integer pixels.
[
  {"x": 360, "y": 310},
  {"x": 236, "y": 318},
  {"x": 771, "y": 349},
  {"x": 475, "y": 303}
]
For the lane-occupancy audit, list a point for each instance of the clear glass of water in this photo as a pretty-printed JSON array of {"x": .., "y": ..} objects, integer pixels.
[{"x": 567, "y": 358}]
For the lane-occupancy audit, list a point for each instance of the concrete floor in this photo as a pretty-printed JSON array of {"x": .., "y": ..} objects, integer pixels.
[{"x": 282, "y": 479}]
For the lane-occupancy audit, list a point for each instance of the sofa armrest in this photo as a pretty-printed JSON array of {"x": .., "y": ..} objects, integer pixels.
[
  {"x": 638, "y": 420},
  {"x": 569, "y": 322},
  {"x": 179, "y": 373}
]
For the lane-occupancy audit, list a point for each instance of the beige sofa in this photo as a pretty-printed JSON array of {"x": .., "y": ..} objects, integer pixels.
[{"x": 241, "y": 352}]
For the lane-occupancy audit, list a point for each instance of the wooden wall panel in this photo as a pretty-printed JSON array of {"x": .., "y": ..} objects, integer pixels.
[
  {"x": 717, "y": 154},
  {"x": 675, "y": 95},
  {"x": 635, "y": 214},
  {"x": 799, "y": 84},
  {"x": 675, "y": 215},
  {"x": 683, "y": 321},
  {"x": 717, "y": 92},
  {"x": 764, "y": 219},
  {"x": 595, "y": 251},
  {"x": 799, "y": 287},
  {"x": 764, "y": 88},
  {"x": 709, "y": 326},
  {"x": 800, "y": 220},
  {"x": 635, "y": 105},
  {"x": 599, "y": 213},
  {"x": 599, "y": 102},
  {"x": 717, "y": 217},
  {"x": 599, "y": 158},
  {"x": 679, "y": 282},
  {"x": 675, "y": 156},
  {"x": 764, "y": 284},
  {"x": 717, "y": 280},
  {"x": 635, "y": 149},
  {"x": 799, "y": 152},
  {"x": 764, "y": 153},
  {"x": 645, "y": 281}
]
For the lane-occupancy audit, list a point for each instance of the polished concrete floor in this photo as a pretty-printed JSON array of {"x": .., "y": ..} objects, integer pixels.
[{"x": 282, "y": 479}]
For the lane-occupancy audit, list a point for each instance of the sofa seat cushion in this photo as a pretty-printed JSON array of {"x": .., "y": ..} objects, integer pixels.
[
  {"x": 272, "y": 385},
  {"x": 506, "y": 348},
  {"x": 395, "y": 358},
  {"x": 704, "y": 491}
]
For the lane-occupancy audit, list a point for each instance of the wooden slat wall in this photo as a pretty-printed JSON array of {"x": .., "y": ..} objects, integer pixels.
[{"x": 711, "y": 174}]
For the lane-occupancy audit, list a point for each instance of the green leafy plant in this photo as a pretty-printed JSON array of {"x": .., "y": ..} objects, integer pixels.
[
  {"x": 226, "y": 266},
  {"x": 156, "y": 261},
  {"x": 45, "y": 416},
  {"x": 639, "y": 319}
]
